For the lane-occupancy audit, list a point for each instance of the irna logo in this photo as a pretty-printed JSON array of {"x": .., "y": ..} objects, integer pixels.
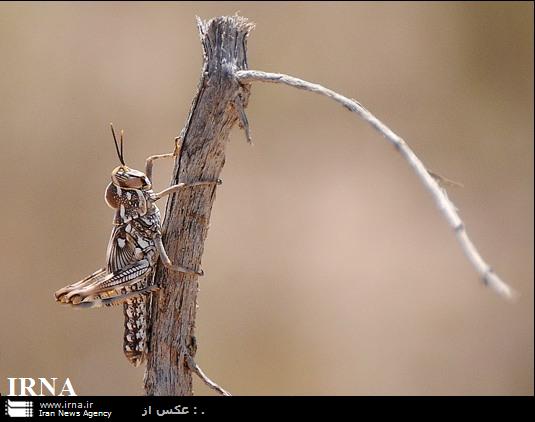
[{"x": 41, "y": 387}]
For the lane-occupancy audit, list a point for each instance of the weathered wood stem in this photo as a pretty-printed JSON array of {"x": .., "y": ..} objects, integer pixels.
[{"x": 213, "y": 113}]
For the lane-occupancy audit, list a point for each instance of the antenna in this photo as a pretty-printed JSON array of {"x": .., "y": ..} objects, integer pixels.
[
  {"x": 122, "y": 155},
  {"x": 119, "y": 153}
]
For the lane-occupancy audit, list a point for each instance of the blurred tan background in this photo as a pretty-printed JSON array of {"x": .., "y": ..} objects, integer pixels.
[{"x": 329, "y": 270}]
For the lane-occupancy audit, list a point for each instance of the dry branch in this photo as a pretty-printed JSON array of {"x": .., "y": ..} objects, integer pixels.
[
  {"x": 220, "y": 102},
  {"x": 170, "y": 361},
  {"x": 447, "y": 208}
]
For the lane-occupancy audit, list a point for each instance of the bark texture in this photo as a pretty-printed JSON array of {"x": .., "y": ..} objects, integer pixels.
[{"x": 215, "y": 110}]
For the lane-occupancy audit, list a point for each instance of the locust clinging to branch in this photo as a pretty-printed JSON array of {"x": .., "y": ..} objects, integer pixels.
[{"x": 133, "y": 251}]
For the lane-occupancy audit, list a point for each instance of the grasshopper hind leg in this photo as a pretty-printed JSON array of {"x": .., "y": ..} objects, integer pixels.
[
  {"x": 116, "y": 285},
  {"x": 96, "y": 277}
]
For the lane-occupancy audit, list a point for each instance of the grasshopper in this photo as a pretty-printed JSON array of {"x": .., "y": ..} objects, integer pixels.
[{"x": 133, "y": 251}]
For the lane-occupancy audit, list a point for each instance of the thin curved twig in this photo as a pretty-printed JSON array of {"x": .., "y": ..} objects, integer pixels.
[
  {"x": 447, "y": 208},
  {"x": 199, "y": 372}
]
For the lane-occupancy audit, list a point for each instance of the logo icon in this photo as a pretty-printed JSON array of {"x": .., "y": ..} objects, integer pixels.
[{"x": 19, "y": 409}]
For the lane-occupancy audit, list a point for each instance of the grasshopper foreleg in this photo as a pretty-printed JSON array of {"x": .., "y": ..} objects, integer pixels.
[
  {"x": 149, "y": 161},
  {"x": 176, "y": 188}
]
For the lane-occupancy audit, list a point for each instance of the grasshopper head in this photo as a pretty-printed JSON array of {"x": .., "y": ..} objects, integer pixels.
[
  {"x": 127, "y": 178},
  {"x": 123, "y": 176}
]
